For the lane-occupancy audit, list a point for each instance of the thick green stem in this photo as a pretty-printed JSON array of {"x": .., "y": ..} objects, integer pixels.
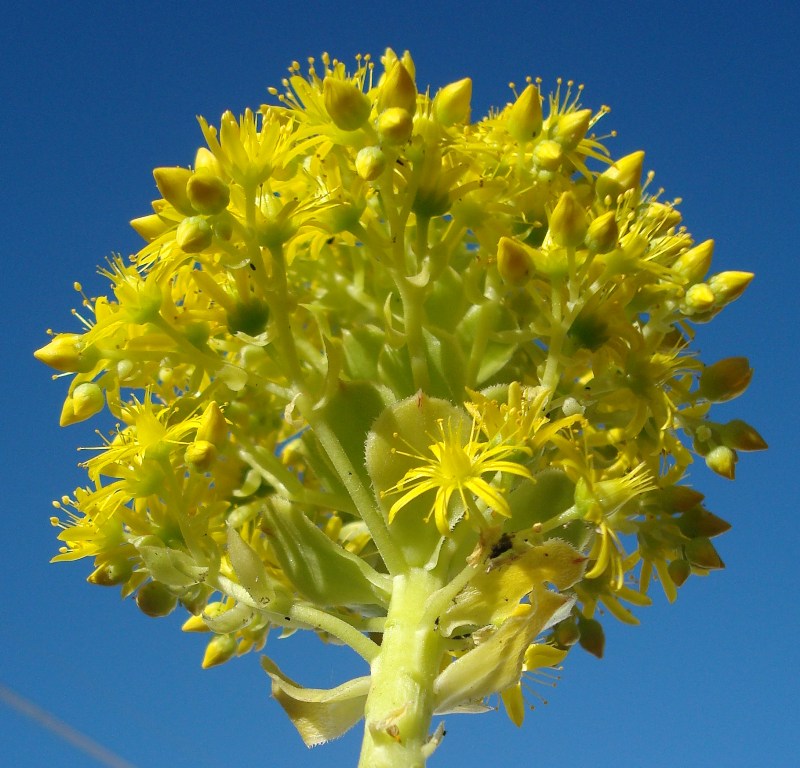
[{"x": 400, "y": 702}]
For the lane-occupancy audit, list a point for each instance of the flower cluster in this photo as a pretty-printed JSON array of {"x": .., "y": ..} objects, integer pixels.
[{"x": 373, "y": 349}]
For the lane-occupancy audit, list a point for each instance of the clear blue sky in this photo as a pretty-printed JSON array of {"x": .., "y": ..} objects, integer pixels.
[{"x": 94, "y": 95}]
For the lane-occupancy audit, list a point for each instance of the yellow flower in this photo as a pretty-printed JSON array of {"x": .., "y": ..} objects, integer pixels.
[
  {"x": 360, "y": 291},
  {"x": 152, "y": 434},
  {"x": 453, "y": 467},
  {"x": 522, "y": 418}
]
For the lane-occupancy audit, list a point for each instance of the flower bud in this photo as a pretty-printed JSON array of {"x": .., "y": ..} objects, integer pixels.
[
  {"x": 679, "y": 571},
  {"x": 395, "y": 125},
  {"x": 680, "y": 498},
  {"x": 398, "y": 89},
  {"x": 195, "y": 599},
  {"x": 699, "y": 298},
  {"x": 624, "y": 174},
  {"x": 693, "y": 264},
  {"x": 84, "y": 402},
  {"x": 722, "y": 460},
  {"x": 222, "y": 228},
  {"x": 207, "y": 193},
  {"x": 701, "y": 522},
  {"x": 741, "y": 436},
  {"x": 408, "y": 63},
  {"x": 592, "y": 638},
  {"x": 155, "y": 600},
  {"x": 514, "y": 262},
  {"x": 370, "y": 163},
  {"x": 197, "y": 622},
  {"x": 193, "y": 234},
  {"x": 171, "y": 183},
  {"x": 701, "y": 552},
  {"x": 194, "y": 624},
  {"x": 200, "y": 455},
  {"x": 347, "y": 106},
  {"x": 66, "y": 353},
  {"x": 566, "y": 633},
  {"x": 205, "y": 161},
  {"x": 568, "y": 222},
  {"x": 548, "y": 155},
  {"x": 219, "y": 650},
  {"x": 725, "y": 380},
  {"x": 525, "y": 116},
  {"x": 250, "y": 317},
  {"x": 213, "y": 426},
  {"x": 211, "y": 434},
  {"x": 601, "y": 237},
  {"x": 571, "y": 128},
  {"x": 728, "y": 286},
  {"x": 150, "y": 227},
  {"x": 452, "y": 103},
  {"x": 111, "y": 573}
]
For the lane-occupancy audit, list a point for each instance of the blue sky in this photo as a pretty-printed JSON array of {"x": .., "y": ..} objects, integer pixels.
[{"x": 94, "y": 95}]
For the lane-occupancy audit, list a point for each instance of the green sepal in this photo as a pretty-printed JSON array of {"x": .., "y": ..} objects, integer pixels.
[
  {"x": 172, "y": 567},
  {"x": 318, "y": 714},
  {"x": 321, "y": 570},
  {"x": 234, "y": 619}
]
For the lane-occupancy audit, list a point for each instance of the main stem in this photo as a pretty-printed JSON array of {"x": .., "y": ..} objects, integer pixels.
[{"x": 400, "y": 702}]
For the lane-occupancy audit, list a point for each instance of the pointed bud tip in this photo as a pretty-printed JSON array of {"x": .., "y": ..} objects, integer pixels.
[
  {"x": 346, "y": 104},
  {"x": 452, "y": 103},
  {"x": 568, "y": 223}
]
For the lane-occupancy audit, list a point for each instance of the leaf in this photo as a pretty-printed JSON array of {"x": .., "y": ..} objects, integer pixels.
[
  {"x": 320, "y": 569},
  {"x": 249, "y": 569}
]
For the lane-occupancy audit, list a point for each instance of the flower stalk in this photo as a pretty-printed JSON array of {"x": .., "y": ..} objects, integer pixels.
[{"x": 400, "y": 702}]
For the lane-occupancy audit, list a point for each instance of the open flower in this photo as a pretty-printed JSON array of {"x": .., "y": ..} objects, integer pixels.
[{"x": 455, "y": 467}]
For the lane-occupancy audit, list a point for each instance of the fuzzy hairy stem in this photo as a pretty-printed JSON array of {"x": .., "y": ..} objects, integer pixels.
[{"x": 400, "y": 702}]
